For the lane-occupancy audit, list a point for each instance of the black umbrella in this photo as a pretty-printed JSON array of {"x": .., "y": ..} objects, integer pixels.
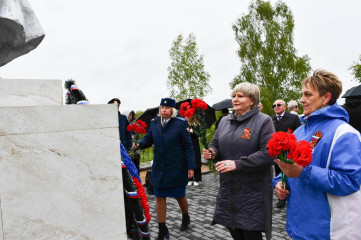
[
  {"x": 353, "y": 92},
  {"x": 210, "y": 116},
  {"x": 226, "y": 103},
  {"x": 148, "y": 115}
]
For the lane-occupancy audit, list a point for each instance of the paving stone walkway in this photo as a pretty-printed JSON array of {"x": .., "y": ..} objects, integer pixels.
[{"x": 201, "y": 200}]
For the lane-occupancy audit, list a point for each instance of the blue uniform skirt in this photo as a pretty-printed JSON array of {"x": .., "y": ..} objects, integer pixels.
[{"x": 170, "y": 192}]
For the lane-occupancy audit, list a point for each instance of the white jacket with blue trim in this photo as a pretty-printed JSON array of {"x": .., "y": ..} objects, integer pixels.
[{"x": 325, "y": 201}]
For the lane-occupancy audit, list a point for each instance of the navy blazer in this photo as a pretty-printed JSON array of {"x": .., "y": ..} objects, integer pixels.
[
  {"x": 173, "y": 152},
  {"x": 124, "y": 135}
]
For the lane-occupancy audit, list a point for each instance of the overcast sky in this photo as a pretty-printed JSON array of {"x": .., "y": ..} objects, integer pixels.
[{"x": 118, "y": 48}]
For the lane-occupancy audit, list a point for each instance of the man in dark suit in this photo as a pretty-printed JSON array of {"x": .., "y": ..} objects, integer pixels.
[
  {"x": 283, "y": 121},
  {"x": 124, "y": 135}
]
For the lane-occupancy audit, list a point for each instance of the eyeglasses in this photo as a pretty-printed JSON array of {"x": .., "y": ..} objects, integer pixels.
[{"x": 278, "y": 105}]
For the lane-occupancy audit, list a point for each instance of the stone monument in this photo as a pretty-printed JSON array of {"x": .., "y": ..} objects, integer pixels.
[
  {"x": 20, "y": 30},
  {"x": 60, "y": 166}
]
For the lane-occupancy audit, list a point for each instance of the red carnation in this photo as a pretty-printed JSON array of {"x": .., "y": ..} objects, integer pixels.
[
  {"x": 281, "y": 141},
  {"x": 283, "y": 145},
  {"x": 202, "y": 105},
  {"x": 142, "y": 124},
  {"x": 195, "y": 113},
  {"x": 130, "y": 127},
  {"x": 139, "y": 127},
  {"x": 302, "y": 155},
  {"x": 190, "y": 112},
  {"x": 183, "y": 108},
  {"x": 195, "y": 103}
]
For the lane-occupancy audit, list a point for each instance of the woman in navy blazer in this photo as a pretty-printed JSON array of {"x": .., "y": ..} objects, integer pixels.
[{"x": 173, "y": 161}]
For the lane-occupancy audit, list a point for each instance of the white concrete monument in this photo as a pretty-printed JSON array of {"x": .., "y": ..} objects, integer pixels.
[
  {"x": 17, "y": 92},
  {"x": 60, "y": 167}
]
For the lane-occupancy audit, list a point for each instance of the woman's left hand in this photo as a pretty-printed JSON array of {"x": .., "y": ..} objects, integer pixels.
[
  {"x": 190, "y": 173},
  {"x": 226, "y": 166},
  {"x": 291, "y": 170}
]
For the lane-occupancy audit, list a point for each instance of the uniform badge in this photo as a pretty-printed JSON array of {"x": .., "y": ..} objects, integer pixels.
[
  {"x": 316, "y": 138},
  {"x": 246, "y": 134}
]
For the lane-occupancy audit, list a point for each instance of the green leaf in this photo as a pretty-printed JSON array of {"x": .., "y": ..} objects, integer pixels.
[
  {"x": 356, "y": 70},
  {"x": 267, "y": 53},
  {"x": 186, "y": 75}
]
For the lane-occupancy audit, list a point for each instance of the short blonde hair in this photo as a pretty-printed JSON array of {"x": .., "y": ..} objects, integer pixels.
[
  {"x": 325, "y": 82},
  {"x": 250, "y": 90}
]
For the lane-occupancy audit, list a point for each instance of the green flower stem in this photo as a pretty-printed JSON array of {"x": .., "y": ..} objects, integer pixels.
[
  {"x": 204, "y": 140},
  {"x": 283, "y": 158},
  {"x": 133, "y": 152},
  {"x": 201, "y": 130}
]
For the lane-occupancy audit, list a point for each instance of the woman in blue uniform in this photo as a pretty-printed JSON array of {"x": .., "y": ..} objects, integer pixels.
[{"x": 173, "y": 161}]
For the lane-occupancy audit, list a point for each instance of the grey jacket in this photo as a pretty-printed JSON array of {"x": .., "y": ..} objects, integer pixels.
[{"x": 244, "y": 198}]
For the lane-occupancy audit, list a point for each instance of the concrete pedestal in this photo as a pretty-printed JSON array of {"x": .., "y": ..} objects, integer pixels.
[{"x": 60, "y": 174}]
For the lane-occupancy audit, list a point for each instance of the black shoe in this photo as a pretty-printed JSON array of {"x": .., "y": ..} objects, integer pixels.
[
  {"x": 163, "y": 231},
  {"x": 186, "y": 220},
  {"x": 281, "y": 203}
]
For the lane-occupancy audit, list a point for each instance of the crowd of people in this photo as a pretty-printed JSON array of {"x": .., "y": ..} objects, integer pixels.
[{"x": 323, "y": 199}]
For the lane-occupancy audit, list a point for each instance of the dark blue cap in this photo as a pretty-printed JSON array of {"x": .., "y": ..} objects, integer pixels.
[
  {"x": 114, "y": 100},
  {"x": 167, "y": 102}
]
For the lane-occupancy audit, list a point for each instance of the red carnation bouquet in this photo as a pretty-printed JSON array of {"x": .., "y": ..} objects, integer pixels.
[
  {"x": 285, "y": 146},
  {"x": 139, "y": 127},
  {"x": 195, "y": 113}
]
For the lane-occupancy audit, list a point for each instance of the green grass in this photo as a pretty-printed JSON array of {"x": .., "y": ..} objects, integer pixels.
[{"x": 146, "y": 155}]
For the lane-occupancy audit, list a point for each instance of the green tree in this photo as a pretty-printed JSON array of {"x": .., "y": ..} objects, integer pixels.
[
  {"x": 186, "y": 75},
  {"x": 356, "y": 70},
  {"x": 267, "y": 54}
]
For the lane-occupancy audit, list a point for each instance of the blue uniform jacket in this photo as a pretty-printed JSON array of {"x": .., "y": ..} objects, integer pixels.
[
  {"x": 173, "y": 152},
  {"x": 317, "y": 207},
  {"x": 124, "y": 136}
]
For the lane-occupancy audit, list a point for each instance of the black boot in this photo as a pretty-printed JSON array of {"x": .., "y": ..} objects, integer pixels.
[
  {"x": 163, "y": 231},
  {"x": 186, "y": 220}
]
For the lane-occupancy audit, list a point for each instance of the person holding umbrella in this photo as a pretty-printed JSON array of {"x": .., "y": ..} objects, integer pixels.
[
  {"x": 353, "y": 106},
  {"x": 148, "y": 115},
  {"x": 130, "y": 114},
  {"x": 173, "y": 161},
  {"x": 194, "y": 181},
  {"x": 226, "y": 103}
]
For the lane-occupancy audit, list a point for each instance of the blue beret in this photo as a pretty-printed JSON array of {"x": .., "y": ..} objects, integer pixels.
[{"x": 167, "y": 102}]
